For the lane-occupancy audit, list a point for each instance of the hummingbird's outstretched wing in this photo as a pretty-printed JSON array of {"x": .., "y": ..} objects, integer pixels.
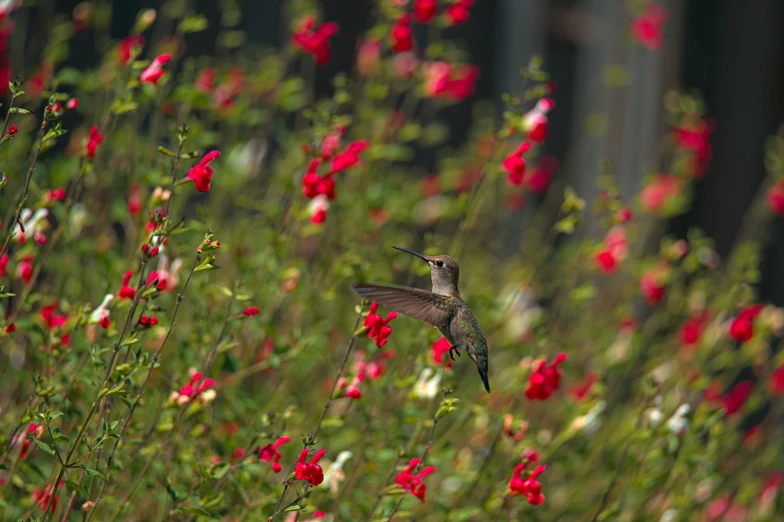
[{"x": 413, "y": 302}]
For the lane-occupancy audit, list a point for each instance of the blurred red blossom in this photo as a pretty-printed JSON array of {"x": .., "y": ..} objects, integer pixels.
[
  {"x": 425, "y": 10},
  {"x": 314, "y": 40},
  {"x": 545, "y": 379},
  {"x": 413, "y": 483},
  {"x": 270, "y": 453},
  {"x": 201, "y": 173},
  {"x": 691, "y": 331},
  {"x": 529, "y": 486},
  {"x": 126, "y": 47},
  {"x": 659, "y": 190},
  {"x": 514, "y": 164},
  {"x": 646, "y": 28},
  {"x": 94, "y": 139},
  {"x": 379, "y": 330},
  {"x": 742, "y": 326},
  {"x": 440, "y": 352},
  {"x": 457, "y": 13},
  {"x": 153, "y": 73},
  {"x": 579, "y": 390},
  {"x": 402, "y": 36}
]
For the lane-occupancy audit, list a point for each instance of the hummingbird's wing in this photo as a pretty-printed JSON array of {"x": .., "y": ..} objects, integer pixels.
[{"x": 413, "y": 302}]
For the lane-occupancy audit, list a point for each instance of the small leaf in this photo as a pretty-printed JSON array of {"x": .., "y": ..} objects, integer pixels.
[
  {"x": 44, "y": 446},
  {"x": 166, "y": 152},
  {"x": 76, "y": 486},
  {"x": 394, "y": 489},
  {"x": 292, "y": 507},
  {"x": 196, "y": 511},
  {"x": 19, "y": 110},
  {"x": 94, "y": 473},
  {"x": 53, "y": 415}
]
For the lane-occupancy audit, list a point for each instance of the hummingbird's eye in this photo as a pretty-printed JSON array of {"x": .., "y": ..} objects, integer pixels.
[{"x": 439, "y": 263}]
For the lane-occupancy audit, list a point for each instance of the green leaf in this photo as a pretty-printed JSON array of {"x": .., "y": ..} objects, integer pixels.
[
  {"x": 94, "y": 473},
  {"x": 114, "y": 392},
  {"x": 292, "y": 507},
  {"x": 196, "y": 511},
  {"x": 44, "y": 446},
  {"x": 53, "y": 415},
  {"x": 193, "y": 24},
  {"x": 76, "y": 486},
  {"x": 394, "y": 489},
  {"x": 54, "y": 133}
]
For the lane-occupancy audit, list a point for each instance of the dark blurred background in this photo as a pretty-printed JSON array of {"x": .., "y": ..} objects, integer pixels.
[{"x": 729, "y": 51}]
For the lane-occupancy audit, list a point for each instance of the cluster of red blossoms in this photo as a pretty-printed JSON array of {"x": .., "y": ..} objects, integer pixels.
[
  {"x": 379, "y": 328},
  {"x": 529, "y": 487},
  {"x": 321, "y": 187},
  {"x": 314, "y": 40},
  {"x": 372, "y": 370},
  {"x": 413, "y": 483},
  {"x": 545, "y": 379},
  {"x": 270, "y": 453},
  {"x": 195, "y": 387},
  {"x": 310, "y": 471}
]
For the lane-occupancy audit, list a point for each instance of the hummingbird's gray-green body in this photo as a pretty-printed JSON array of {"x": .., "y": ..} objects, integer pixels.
[{"x": 442, "y": 308}]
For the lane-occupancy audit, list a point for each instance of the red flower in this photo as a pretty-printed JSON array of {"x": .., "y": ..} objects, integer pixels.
[
  {"x": 72, "y": 104},
  {"x": 775, "y": 198},
  {"x": 443, "y": 80},
  {"x": 457, "y": 13},
  {"x": 529, "y": 486},
  {"x": 126, "y": 291},
  {"x": 425, "y": 10},
  {"x": 125, "y": 50},
  {"x": 691, "y": 331},
  {"x": 105, "y": 322},
  {"x": 57, "y": 194},
  {"x": 270, "y": 453},
  {"x": 736, "y": 397},
  {"x": 440, "y": 349},
  {"x": 12, "y": 130},
  {"x": 94, "y": 139},
  {"x": 545, "y": 380},
  {"x": 661, "y": 188},
  {"x": 201, "y": 173},
  {"x": 695, "y": 139},
  {"x": 535, "y": 122},
  {"x": 52, "y": 319},
  {"x": 514, "y": 164},
  {"x": 742, "y": 327},
  {"x": 205, "y": 82},
  {"x": 651, "y": 285},
  {"x": 413, "y": 483},
  {"x": 349, "y": 157},
  {"x": 647, "y": 27},
  {"x": 24, "y": 270},
  {"x": 315, "y": 42},
  {"x": 153, "y": 73},
  {"x": 310, "y": 471},
  {"x": 3, "y": 264},
  {"x": 606, "y": 261},
  {"x": 581, "y": 389},
  {"x": 43, "y": 496},
  {"x": 539, "y": 180},
  {"x": 195, "y": 387},
  {"x": 624, "y": 215},
  {"x": 251, "y": 311},
  {"x": 776, "y": 381},
  {"x": 134, "y": 201},
  {"x": 378, "y": 328},
  {"x": 367, "y": 57},
  {"x": 10, "y": 328},
  {"x": 402, "y": 35},
  {"x": 353, "y": 391}
]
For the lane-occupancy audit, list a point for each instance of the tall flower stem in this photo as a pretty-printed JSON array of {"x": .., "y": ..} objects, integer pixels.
[{"x": 312, "y": 436}]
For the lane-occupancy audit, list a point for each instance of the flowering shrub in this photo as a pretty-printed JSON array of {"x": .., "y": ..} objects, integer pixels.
[{"x": 180, "y": 339}]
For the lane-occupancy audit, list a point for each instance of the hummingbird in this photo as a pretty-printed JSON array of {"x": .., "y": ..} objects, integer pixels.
[{"x": 442, "y": 308}]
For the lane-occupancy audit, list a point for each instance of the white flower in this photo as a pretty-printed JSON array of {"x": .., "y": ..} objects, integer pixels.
[
  {"x": 334, "y": 474},
  {"x": 32, "y": 223},
  {"x": 678, "y": 422},
  {"x": 101, "y": 312},
  {"x": 427, "y": 387}
]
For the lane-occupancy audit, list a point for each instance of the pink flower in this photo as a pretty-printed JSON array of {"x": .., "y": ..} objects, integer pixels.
[
  {"x": 310, "y": 471},
  {"x": 368, "y": 56},
  {"x": 514, "y": 164},
  {"x": 413, "y": 483},
  {"x": 95, "y": 138},
  {"x": 694, "y": 138},
  {"x": 153, "y": 73},
  {"x": 201, "y": 173},
  {"x": 24, "y": 270},
  {"x": 353, "y": 391},
  {"x": 205, "y": 82},
  {"x": 581, "y": 389},
  {"x": 134, "y": 201},
  {"x": 661, "y": 188},
  {"x": 535, "y": 122},
  {"x": 270, "y": 453},
  {"x": 443, "y": 80},
  {"x": 195, "y": 387},
  {"x": 647, "y": 27},
  {"x": 315, "y": 42}
]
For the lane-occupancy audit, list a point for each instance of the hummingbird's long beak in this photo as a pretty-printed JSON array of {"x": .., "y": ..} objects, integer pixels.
[{"x": 420, "y": 256}]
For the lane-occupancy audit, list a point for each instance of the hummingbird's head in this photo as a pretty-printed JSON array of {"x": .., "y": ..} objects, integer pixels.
[{"x": 443, "y": 271}]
